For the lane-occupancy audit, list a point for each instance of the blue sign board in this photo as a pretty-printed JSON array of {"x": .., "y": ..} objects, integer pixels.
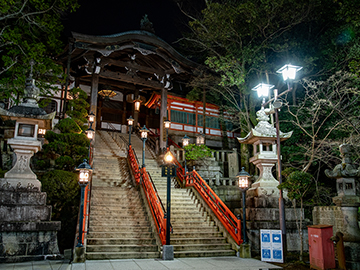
[{"x": 271, "y": 246}]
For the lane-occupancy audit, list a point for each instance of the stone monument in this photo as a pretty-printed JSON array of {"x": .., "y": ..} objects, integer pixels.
[
  {"x": 263, "y": 139},
  {"x": 262, "y": 198},
  {"x": 26, "y": 230},
  {"x": 343, "y": 217}
]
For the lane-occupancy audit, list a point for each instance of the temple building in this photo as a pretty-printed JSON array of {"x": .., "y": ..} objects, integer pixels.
[{"x": 116, "y": 70}]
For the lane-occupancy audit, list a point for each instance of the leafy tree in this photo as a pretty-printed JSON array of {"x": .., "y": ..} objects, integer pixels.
[
  {"x": 297, "y": 184},
  {"x": 197, "y": 152},
  {"x": 30, "y": 29}
]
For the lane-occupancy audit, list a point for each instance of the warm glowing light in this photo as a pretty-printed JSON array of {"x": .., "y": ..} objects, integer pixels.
[
  {"x": 243, "y": 179},
  {"x": 167, "y": 124},
  {"x": 130, "y": 121},
  {"x": 185, "y": 140},
  {"x": 168, "y": 158},
  {"x": 41, "y": 131}
]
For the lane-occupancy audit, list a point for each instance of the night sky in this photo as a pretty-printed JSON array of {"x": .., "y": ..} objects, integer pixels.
[{"x": 107, "y": 17}]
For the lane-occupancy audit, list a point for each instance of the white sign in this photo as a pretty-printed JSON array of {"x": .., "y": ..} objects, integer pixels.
[{"x": 271, "y": 246}]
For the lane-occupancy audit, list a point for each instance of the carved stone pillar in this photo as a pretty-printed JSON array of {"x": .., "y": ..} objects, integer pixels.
[{"x": 94, "y": 99}]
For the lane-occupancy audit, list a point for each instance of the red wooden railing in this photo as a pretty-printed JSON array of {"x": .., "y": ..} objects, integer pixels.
[
  {"x": 228, "y": 219},
  {"x": 156, "y": 207}
]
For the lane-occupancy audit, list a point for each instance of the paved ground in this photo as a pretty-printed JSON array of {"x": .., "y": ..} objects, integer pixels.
[{"x": 222, "y": 263}]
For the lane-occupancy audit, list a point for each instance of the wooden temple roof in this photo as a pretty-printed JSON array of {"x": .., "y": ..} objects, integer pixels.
[{"x": 127, "y": 61}]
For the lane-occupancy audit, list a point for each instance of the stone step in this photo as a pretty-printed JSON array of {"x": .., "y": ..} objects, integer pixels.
[
  {"x": 108, "y": 224},
  {"x": 122, "y": 255},
  {"x": 204, "y": 253},
  {"x": 122, "y": 241},
  {"x": 198, "y": 240},
  {"x": 204, "y": 233},
  {"x": 122, "y": 248},
  {"x": 201, "y": 247},
  {"x": 120, "y": 234},
  {"x": 122, "y": 228}
]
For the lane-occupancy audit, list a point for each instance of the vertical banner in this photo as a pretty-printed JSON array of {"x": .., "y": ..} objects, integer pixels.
[{"x": 271, "y": 246}]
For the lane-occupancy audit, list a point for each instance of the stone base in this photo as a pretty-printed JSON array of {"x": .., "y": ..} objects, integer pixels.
[
  {"x": 27, "y": 246},
  {"x": 79, "y": 255},
  {"x": 26, "y": 230},
  {"x": 168, "y": 252},
  {"x": 245, "y": 251}
]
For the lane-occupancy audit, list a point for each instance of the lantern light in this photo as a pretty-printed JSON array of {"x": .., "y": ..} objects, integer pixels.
[
  {"x": 243, "y": 179},
  {"x": 91, "y": 117},
  {"x": 144, "y": 133},
  {"x": 137, "y": 103},
  {"x": 85, "y": 170},
  {"x": 262, "y": 89},
  {"x": 168, "y": 158},
  {"x": 90, "y": 133},
  {"x": 167, "y": 124},
  {"x": 185, "y": 140},
  {"x": 289, "y": 71},
  {"x": 130, "y": 121}
]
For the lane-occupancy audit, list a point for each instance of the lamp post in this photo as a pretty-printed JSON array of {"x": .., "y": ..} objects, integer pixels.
[
  {"x": 130, "y": 124},
  {"x": 168, "y": 170},
  {"x": 200, "y": 139},
  {"x": 185, "y": 142},
  {"x": 243, "y": 184},
  {"x": 289, "y": 72},
  {"x": 167, "y": 124},
  {"x": 144, "y": 133},
  {"x": 84, "y": 177}
]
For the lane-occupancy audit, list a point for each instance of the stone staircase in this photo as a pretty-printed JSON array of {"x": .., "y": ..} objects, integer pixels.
[
  {"x": 118, "y": 227},
  {"x": 194, "y": 234}
]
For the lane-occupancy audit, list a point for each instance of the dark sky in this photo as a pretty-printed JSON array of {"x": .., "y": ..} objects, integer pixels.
[{"x": 105, "y": 17}]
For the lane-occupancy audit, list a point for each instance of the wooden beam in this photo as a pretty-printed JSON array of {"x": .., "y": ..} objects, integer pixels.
[{"x": 129, "y": 79}]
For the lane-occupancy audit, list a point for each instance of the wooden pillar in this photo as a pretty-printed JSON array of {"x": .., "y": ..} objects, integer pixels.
[
  {"x": 94, "y": 99},
  {"x": 163, "y": 116}
]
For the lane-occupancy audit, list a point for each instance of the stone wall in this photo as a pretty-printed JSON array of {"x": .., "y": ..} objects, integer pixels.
[{"x": 26, "y": 230}]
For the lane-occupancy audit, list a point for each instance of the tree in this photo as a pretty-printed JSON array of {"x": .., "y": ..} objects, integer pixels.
[
  {"x": 30, "y": 29},
  {"x": 297, "y": 184}
]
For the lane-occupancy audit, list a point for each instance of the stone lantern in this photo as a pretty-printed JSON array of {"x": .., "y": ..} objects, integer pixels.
[
  {"x": 263, "y": 139},
  {"x": 30, "y": 121},
  {"x": 26, "y": 230}
]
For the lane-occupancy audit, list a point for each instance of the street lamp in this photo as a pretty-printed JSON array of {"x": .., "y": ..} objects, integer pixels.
[
  {"x": 167, "y": 124},
  {"x": 243, "y": 184},
  {"x": 200, "y": 139},
  {"x": 130, "y": 124},
  {"x": 144, "y": 133},
  {"x": 84, "y": 177},
  {"x": 289, "y": 73},
  {"x": 185, "y": 142},
  {"x": 262, "y": 89},
  {"x": 168, "y": 170}
]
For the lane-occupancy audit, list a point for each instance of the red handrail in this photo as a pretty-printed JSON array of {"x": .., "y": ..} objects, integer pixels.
[
  {"x": 228, "y": 219},
  {"x": 223, "y": 213},
  {"x": 151, "y": 195}
]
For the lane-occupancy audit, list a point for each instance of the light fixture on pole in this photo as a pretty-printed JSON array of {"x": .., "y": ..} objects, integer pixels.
[
  {"x": 91, "y": 118},
  {"x": 137, "y": 103},
  {"x": 144, "y": 133},
  {"x": 185, "y": 142},
  {"x": 289, "y": 71},
  {"x": 130, "y": 124},
  {"x": 167, "y": 125},
  {"x": 84, "y": 178},
  {"x": 168, "y": 170},
  {"x": 200, "y": 139},
  {"x": 243, "y": 184},
  {"x": 262, "y": 89}
]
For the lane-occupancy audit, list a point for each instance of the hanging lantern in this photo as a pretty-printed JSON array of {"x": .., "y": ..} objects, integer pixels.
[{"x": 289, "y": 71}]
